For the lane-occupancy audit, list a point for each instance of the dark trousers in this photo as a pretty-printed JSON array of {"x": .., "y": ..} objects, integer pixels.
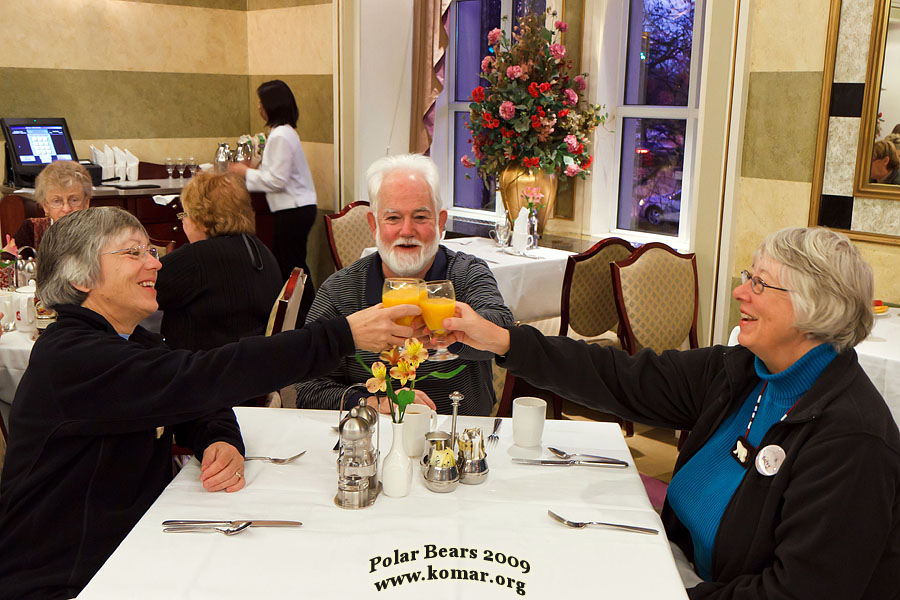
[{"x": 291, "y": 232}]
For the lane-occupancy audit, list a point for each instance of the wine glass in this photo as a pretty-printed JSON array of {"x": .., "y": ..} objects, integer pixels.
[
  {"x": 179, "y": 166},
  {"x": 402, "y": 290},
  {"x": 500, "y": 233},
  {"x": 192, "y": 166},
  {"x": 170, "y": 167},
  {"x": 438, "y": 303}
]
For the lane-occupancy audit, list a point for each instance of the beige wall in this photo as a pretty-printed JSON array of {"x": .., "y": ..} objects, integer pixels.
[{"x": 787, "y": 51}]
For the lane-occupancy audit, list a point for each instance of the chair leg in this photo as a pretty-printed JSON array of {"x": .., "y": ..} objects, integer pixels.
[
  {"x": 505, "y": 408},
  {"x": 629, "y": 428},
  {"x": 557, "y": 407}
]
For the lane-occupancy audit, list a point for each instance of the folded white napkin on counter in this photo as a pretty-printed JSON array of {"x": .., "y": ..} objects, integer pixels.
[
  {"x": 120, "y": 162},
  {"x": 108, "y": 163},
  {"x": 521, "y": 223},
  {"x": 164, "y": 200},
  {"x": 131, "y": 165}
]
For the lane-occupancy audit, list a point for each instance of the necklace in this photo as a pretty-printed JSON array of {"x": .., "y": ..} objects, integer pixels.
[{"x": 742, "y": 450}]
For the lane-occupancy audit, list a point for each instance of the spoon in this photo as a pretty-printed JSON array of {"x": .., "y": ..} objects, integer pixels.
[
  {"x": 583, "y": 524},
  {"x": 567, "y": 456},
  {"x": 226, "y": 530},
  {"x": 277, "y": 461}
]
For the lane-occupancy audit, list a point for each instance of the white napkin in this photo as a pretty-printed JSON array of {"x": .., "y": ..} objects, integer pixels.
[
  {"x": 206, "y": 167},
  {"x": 120, "y": 162},
  {"x": 521, "y": 224},
  {"x": 109, "y": 163},
  {"x": 97, "y": 156},
  {"x": 131, "y": 165},
  {"x": 164, "y": 200}
]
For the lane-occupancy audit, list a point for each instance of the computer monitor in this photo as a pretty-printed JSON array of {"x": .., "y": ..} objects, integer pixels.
[{"x": 32, "y": 144}]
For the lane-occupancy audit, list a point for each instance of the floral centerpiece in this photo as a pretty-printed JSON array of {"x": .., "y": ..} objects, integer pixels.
[
  {"x": 403, "y": 364},
  {"x": 531, "y": 114}
]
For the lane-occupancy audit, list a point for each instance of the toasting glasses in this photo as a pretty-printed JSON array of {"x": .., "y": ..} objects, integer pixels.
[{"x": 438, "y": 303}]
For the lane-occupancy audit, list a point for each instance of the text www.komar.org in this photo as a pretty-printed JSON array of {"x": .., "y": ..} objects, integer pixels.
[{"x": 432, "y": 573}]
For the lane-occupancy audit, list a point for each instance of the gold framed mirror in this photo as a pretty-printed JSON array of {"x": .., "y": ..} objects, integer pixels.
[{"x": 843, "y": 195}]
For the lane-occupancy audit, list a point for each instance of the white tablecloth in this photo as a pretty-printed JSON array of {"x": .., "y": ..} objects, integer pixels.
[
  {"x": 879, "y": 355},
  {"x": 420, "y": 546},
  {"x": 15, "y": 348}
]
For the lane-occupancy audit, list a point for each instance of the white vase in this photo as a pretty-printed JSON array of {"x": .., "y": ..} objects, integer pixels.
[{"x": 397, "y": 468}]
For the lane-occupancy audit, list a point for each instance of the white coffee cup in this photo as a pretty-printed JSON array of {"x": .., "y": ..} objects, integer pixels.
[
  {"x": 521, "y": 241},
  {"x": 8, "y": 308},
  {"x": 26, "y": 320},
  {"x": 528, "y": 416},
  {"x": 417, "y": 421}
]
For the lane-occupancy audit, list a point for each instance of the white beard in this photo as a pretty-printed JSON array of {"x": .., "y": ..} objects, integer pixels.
[{"x": 406, "y": 264}]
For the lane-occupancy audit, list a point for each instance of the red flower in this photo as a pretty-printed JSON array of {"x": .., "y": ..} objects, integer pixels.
[
  {"x": 535, "y": 121},
  {"x": 563, "y": 113},
  {"x": 588, "y": 162},
  {"x": 544, "y": 87},
  {"x": 478, "y": 94},
  {"x": 541, "y": 112},
  {"x": 533, "y": 89}
]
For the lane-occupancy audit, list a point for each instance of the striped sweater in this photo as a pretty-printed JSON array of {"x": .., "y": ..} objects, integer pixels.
[{"x": 358, "y": 286}]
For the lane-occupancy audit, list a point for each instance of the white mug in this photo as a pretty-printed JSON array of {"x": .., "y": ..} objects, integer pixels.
[
  {"x": 24, "y": 308},
  {"x": 417, "y": 421},
  {"x": 521, "y": 241},
  {"x": 8, "y": 308},
  {"x": 528, "y": 416}
]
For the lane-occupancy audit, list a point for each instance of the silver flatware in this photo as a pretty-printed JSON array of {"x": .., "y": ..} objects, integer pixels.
[
  {"x": 567, "y": 455},
  {"x": 494, "y": 438},
  {"x": 583, "y": 524},
  {"x": 277, "y": 461},
  {"x": 571, "y": 462},
  {"x": 238, "y": 523},
  {"x": 227, "y": 529}
]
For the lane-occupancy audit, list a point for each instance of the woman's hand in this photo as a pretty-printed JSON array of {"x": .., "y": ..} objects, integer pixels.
[
  {"x": 383, "y": 404},
  {"x": 374, "y": 328},
  {"x": 471, "y": 329},
  {"x": 222, "y": 468},
  {"x": 238, "y": 168}
]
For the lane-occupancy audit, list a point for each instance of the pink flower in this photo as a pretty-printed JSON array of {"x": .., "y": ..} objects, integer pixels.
[
  {"x": 580, "y": 83},
  {"x": 571, "y": 143},
  {"x": 478, "y": 152},
  {"x": 533, "y": 193},
  {"x": 487, "y": 64},
  {"x": 514, "y": 72},
  {"x": 507, "y": 110},
  {"x": 571, "y": 97},
  {"x": 466, "y": 161},
  {"x": 494, "y": 36},
  {"x": 562, "y": 26},
  {"x": 573, "y": 170},
  {"x": 557, "y": 51}
]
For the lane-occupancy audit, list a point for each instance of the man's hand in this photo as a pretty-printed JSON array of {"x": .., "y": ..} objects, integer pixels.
[
  {"x": 222, "y": 468},
  {"x": 383, "y": 404},
  {"x": 374, "y": 328},
  {"x": 471, "y": 329}
]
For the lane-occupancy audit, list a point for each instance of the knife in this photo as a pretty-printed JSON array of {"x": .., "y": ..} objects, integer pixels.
[
  {"x": 255, "y": 523},
  {"x": 610, "y": 462}
]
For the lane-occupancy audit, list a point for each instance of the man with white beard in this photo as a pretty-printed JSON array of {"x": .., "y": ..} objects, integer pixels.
[{"x": 407, "y": 218}]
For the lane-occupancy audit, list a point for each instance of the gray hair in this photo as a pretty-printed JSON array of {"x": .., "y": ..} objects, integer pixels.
[
  {"x": 62, "y": 174},
  {"x": 410, "y": 163},
  {"x": 831, "y": 285},
  {"x": 70, "y": 252}
]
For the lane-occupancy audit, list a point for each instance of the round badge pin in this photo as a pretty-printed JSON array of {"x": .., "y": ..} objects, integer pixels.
[{"x": 769, "y": 460}]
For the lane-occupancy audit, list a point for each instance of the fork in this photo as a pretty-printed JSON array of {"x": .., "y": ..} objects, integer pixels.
[
  {"x": 583, "y": 524},
  {"x": 227, "y": 530},
  {"x": 494, "y": 438},
  {"x": 277, "y": 461}
]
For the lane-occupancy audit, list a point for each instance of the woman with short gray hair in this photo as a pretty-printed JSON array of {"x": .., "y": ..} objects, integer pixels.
[
  {"x": 62, "y": 187},
  {"x": 789, "y": 483},
  {"x": 97, "y": 410}
]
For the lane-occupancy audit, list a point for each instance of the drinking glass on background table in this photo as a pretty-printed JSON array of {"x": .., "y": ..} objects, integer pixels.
[
  {"x": 528, "y": 415},
  {"x": 179, "y": 166},
  {"x": 401, "y": 290},
  {"x": 500, "y": 233},
  {"x": 170, "y": 167},
  {"x": 438, "y": 303},
  {"x": 192, "y": 166}
]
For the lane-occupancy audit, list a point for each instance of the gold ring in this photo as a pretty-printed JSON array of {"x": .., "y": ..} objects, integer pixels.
[{"x": 238, "y": 473}]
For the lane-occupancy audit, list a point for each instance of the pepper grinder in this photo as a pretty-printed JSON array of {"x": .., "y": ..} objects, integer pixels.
[{"x": 455, "y": 397}]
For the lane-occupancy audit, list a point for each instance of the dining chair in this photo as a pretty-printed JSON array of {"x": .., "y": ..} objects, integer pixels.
[
  {"x": 657, "y": 298},
  {"x": 283, "y": 317},
  {"x": 163, "y": 247},
  {"x": 3, "y": 437},
  {"x": 349, "y": 233}
]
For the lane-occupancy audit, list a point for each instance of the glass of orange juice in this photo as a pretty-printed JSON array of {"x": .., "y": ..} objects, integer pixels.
[
  {"x": 401, "y": 290},
  {"x": 438, "y": 303}
]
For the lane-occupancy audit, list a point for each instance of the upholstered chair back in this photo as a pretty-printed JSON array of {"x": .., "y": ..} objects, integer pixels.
[{"x": 349, "y": 233}]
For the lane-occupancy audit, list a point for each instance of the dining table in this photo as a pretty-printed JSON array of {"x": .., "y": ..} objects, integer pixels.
[
  {"x": 491, "y": 540},
  {"x": 15, "y": 350},
  {"x": 879, "y": 356}
]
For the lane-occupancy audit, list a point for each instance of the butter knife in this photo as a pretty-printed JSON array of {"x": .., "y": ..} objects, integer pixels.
[
  {"x": 611, "y": 462},
  {"x": 254, "y": 523}
]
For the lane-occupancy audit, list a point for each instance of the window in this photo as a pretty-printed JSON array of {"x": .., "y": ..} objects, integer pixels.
[{"x": 657, "y": 118}]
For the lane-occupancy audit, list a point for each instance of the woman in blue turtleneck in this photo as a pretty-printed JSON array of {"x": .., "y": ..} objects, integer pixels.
[{"x": 789, "y": 484}]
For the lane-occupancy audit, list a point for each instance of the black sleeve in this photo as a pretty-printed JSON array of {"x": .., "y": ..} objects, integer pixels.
[{"x": 179, "y": 281}]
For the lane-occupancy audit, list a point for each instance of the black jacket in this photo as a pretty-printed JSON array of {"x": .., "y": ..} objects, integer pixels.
[
  {"x": 826, "y": 526},
  {"x": 85, "y": 460}
]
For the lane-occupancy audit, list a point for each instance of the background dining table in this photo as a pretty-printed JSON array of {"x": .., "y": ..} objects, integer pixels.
[{"x": 493, "y": 540}]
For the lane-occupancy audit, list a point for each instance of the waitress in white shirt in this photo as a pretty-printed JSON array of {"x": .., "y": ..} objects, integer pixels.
[{"x": 285, "y": 177}]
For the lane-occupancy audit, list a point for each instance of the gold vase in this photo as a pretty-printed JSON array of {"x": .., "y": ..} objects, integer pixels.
[{"x": 514, "y": 179}]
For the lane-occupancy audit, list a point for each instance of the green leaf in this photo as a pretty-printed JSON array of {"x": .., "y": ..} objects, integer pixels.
[
  {"x": 364, "y": 366},
  {"x": 404, "y": 399},
  {"x": 452, "y": 373}
]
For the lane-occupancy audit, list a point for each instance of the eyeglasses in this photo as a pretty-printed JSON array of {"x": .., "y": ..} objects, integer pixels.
[
  {"x": 74, "y": 204},
  {"x": 181, "y": 216},
  {"x": 137, "y": 252},
  {"x": 756, "y": 284}
]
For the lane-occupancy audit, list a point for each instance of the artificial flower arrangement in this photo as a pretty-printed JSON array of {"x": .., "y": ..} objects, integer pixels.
[
  {"x": 403, "y": 364},
  {"x": 530, "y": 112},
  {"x": 533, "y": 197}
]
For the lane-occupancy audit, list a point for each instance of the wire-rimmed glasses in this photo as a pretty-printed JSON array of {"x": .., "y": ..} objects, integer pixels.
[
  {"x": 137, "y": 252},
  {"x": 74, "y": 203},
  {"x": 756, "y": 284}
]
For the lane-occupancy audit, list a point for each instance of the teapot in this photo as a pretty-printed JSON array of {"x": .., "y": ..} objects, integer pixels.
[
  {"x": 243, "y": 152},
  {"x": 223, "y": 156}
]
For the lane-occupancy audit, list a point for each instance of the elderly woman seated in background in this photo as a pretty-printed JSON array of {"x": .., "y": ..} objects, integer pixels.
[
  {"x": 789, "y": 484},
  {"x": 95, "y": 414},
  {"x": 62, "y": 187},
  {"x": 221, "y": 286},
  {"x": 885, "y": 163}
]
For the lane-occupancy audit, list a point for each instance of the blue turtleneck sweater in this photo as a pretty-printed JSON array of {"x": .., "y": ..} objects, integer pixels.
[{"x": 703, "y": 487}]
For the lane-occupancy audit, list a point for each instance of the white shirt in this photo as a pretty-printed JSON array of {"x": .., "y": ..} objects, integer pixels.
[{"x": 283, "y": 174}]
